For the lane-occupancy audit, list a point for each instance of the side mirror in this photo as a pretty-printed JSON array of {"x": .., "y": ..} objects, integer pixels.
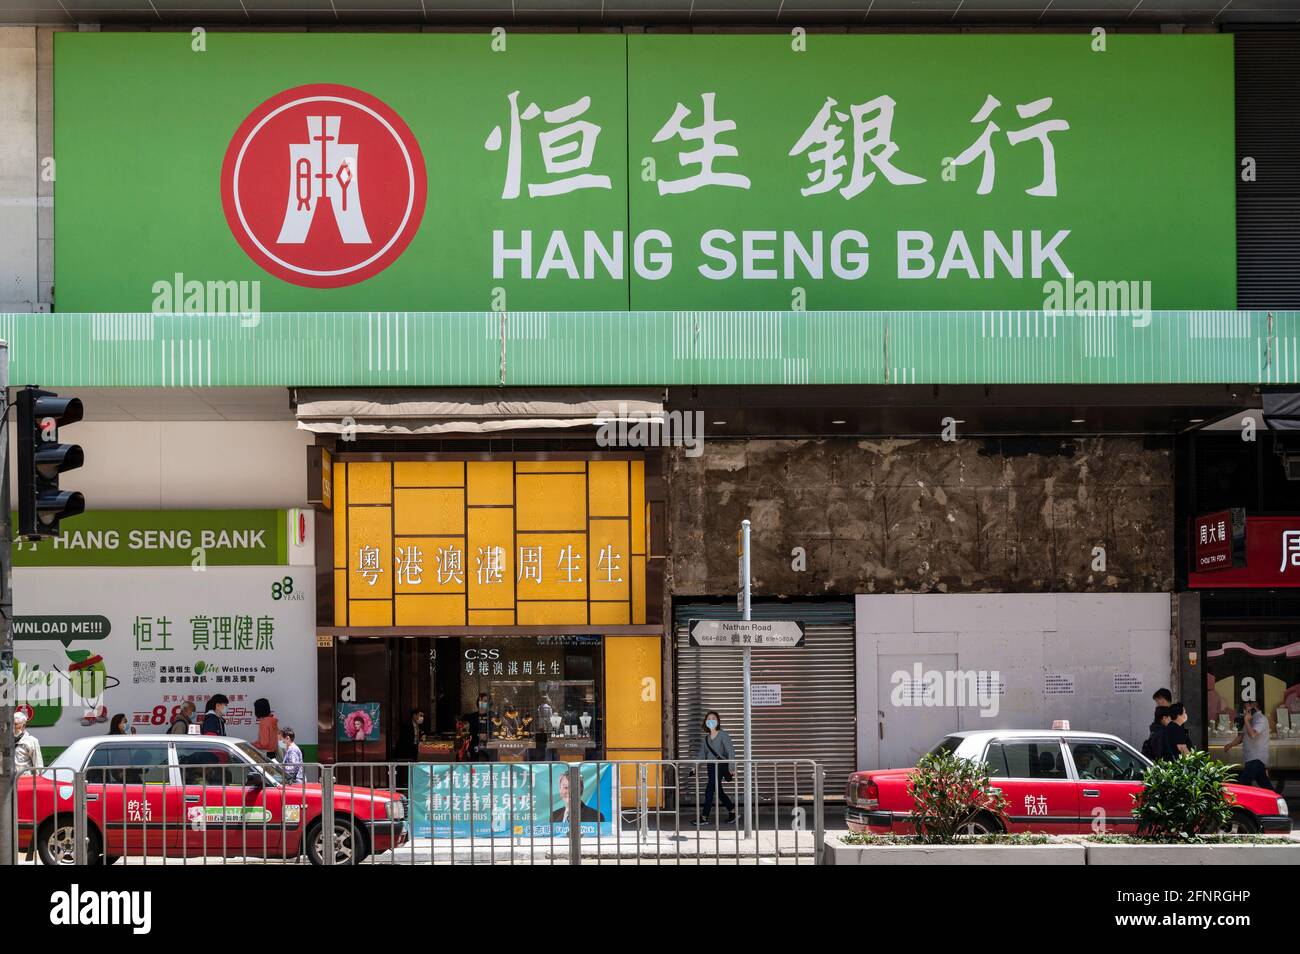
[{"x": 254, "y": 779}]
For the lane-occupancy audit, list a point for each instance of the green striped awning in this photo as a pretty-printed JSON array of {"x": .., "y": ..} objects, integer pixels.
[{"x": 652, "y": 348}]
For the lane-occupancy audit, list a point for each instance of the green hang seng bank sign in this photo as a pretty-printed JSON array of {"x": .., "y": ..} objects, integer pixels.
[
  {"x": 192, "y": 538},
  {"x": 465, "y": 172}
]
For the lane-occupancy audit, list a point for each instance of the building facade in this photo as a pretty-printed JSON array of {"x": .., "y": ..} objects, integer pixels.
[{"x": 522, "y": 347}]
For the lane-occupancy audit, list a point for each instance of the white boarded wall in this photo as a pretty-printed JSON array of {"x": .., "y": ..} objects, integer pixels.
[{"x": 1085, "y": 640}]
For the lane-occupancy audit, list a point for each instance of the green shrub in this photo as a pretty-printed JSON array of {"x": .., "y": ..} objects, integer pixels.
[
  {"x": 948, "y": 794},
  {"x": 1184, "y": 798}
]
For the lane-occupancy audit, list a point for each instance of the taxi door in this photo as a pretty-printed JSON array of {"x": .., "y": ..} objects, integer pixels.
[
  {"x": 1109, "y": 776},
  {"x": 225, "y": 816},
  {"x": 1032, "y": 774},
  {"x": 130, "y": 796}
]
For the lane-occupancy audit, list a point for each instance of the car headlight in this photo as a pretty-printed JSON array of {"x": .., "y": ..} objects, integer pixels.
[
  {"x": 396, "y": 809},
  {"x": 1281, "y": 807}
]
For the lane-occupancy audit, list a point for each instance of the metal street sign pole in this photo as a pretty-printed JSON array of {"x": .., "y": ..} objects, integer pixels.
[
  {"x": 749, "y": 726},
  {"x": 8, "y": 685}
]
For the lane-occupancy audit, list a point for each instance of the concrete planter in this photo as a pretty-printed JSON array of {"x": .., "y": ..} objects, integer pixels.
[
  {"x": 1285, "y": 851},
  {"x": 1055, "y": 853}
]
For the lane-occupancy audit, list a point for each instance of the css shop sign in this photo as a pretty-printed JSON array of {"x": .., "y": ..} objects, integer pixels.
[{"x": 466, "y": 172}]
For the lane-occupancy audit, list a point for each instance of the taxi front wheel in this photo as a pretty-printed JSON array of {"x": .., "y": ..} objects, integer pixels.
[
  {"x": 1242, "y": 823},
  {"x": 349, "y": 843}
]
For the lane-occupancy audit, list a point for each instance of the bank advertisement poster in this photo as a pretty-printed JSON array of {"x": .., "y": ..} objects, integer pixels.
[
  {"x": 524, "y": 799},
  {"x": 471, "y": 172},
  {"x": 91, "y": 641}
]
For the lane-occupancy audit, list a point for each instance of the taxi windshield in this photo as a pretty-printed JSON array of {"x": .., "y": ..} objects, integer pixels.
[
  {"x": 947, "y": 746},
  {"x": 274, "y": 771}
]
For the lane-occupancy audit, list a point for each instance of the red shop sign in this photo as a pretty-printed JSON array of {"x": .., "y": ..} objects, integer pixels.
[
  {"x": 1212, "y": 542},
  {"x": 1272, "y": 556}
]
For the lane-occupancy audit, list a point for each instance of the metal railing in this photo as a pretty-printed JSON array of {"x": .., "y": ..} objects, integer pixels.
[{"x": 595, "y": 812}]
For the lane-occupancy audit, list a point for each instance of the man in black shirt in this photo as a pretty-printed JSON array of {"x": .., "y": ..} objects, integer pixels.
[
  {"x": 1177, "y": 739},
  {"x": 1154, "y": 746}
]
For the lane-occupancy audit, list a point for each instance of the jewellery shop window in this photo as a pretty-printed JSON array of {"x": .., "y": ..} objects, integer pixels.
[
  {"x": 532, "y": 698},
  {"x": 1254, "y": 666}
]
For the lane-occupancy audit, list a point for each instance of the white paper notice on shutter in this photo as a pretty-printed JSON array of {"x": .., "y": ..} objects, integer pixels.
[
  {"x": 1127, "y": 683},
  {"x": 1058, "y": 684}
]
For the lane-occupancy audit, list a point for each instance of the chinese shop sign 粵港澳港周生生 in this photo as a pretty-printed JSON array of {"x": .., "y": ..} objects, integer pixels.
[
  {"x": 448, "y": 172},
  {"x": 490, "y": 543}
]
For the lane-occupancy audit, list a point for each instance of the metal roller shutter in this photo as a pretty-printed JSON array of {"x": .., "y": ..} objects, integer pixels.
[{"x": 818, "y": 711}]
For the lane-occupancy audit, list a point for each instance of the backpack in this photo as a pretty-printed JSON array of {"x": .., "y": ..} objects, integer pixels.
[{"x": 1154, "y": 746}]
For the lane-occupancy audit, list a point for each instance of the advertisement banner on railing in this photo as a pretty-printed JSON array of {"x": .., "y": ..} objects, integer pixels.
[{"x": 528, "y": 799}]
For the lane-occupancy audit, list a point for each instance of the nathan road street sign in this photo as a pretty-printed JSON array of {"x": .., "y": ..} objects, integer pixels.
[{"x": 746, "y": 634}]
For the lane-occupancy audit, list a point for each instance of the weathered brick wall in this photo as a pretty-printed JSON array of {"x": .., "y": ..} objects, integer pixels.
[{"x": 920, "y": 516}]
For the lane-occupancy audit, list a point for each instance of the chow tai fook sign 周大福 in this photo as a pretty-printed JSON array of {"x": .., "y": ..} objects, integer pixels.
[
  {"x": 490, "y": 543},
  {"x": 449, "y": 172},
  {"x": 1272, "y": 548},
  {"x": 1219, "y": 540}
]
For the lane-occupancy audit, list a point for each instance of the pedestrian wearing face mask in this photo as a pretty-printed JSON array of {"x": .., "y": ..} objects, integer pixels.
[
  {"x": 1252, "y": 736},
  {"x": 717, "y": 751},
  {"x": 408, "y": 745},
  {"x": 214, "y": 715},
  {"x": 291, "y": 756}
]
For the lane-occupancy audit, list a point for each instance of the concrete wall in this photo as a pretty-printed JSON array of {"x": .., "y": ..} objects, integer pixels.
[
  {"x": 1088, "y": 638},
  {"x": 19, "y": 170},
  {"x": 919, "y": 516},
  {"x": 184, "y": 465}
]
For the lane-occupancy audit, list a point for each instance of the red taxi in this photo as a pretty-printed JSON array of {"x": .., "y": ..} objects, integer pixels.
[
  {"x": 1055, "y": 782},
  {"x": 195, "y": 797}
]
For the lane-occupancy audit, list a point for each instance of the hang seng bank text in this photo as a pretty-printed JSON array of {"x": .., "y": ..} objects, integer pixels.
[{"x": 769, "y": 254}]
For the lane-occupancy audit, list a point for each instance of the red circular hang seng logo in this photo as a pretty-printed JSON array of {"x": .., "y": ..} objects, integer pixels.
[{"x": 323, "y": 185}]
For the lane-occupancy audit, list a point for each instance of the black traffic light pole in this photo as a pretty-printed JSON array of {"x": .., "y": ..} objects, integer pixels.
[
  {"x": 41, "y": 459},
  {"x": 41, "y": 504},
  {"x": 8, "y": 683}
]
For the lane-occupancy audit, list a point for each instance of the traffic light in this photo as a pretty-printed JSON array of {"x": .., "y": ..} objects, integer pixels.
[{"x": 41, "y": 458}]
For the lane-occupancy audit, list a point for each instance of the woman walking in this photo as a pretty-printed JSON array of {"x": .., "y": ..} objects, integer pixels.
[
  {"x": 716, "y": 749},
  {"x": 268, "y": 729}
]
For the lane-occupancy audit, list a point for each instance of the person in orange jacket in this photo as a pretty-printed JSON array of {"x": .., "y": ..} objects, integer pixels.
[{"x": 268, "y": 729}]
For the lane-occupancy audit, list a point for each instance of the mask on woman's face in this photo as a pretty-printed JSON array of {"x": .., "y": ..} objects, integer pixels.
[
  {"x": 712, "y": 724},
  {"x": 482, "y": 707}
]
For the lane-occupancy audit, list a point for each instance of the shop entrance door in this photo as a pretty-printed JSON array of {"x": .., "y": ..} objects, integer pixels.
[{"x": 906, "y": 725}]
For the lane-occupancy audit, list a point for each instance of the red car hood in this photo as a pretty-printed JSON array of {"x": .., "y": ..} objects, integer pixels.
[
  {"x": 345, "y": 792},
  {"x": 1261, "y": 801}
]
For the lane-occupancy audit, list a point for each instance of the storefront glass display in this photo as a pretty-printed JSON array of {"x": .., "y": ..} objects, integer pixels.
[
  {"x": 570, "y": 707},
  {"x": 527, "y": 683},
  {"x": 1259, "y": 665},
  {"x": 513, "y": 706}
]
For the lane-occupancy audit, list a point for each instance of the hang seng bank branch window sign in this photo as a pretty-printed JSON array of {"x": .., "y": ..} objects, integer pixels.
[
  {"x": 490, "y": 543},
  {"x": 653, "y": 172}
]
